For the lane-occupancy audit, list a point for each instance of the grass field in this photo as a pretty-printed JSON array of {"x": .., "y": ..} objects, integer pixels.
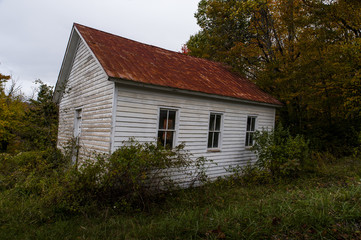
[{"x": 325, "y": 204}]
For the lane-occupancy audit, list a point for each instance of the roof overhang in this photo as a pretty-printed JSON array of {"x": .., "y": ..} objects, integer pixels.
[
  {"x": 66, "y": 65},
  {"x": 69, "y": 56}
]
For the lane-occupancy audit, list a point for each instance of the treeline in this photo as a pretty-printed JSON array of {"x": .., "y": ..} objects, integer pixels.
[
  {"x": 306, "y": 53},
  {"x": 27, "y": 124}
]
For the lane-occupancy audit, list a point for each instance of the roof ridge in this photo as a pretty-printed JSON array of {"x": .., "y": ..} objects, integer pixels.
[
  {"x": 129, "y": 39},
  {"x": 161, "y": 48}
]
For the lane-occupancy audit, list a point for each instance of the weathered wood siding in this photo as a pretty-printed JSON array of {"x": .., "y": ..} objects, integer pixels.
[
  {"x": 89, "y": 89},
  {"x": 137, "y": 116}
]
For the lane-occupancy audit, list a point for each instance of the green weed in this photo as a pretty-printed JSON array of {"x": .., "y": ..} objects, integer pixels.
[{"x": 323, "y": 204}]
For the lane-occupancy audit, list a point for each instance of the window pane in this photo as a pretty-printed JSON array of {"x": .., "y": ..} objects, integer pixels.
[
  {"x": 163, "y": 119},
  {"x": 253, "y": 123},
  {"x": 218, "y": 122},
  {"x": 171, "y": 120},
  {"x": 169, "y": 140},
  {"x": 216, "y": 139},
  {"x": 161, "y": 137},
  {"x": 210, "y": 139},
  {"x": 211, "y": 122},
  {"x": 251, "y": 139},
  {"x": 247, "y": 139},
  {"x": 248, "y": 123}
]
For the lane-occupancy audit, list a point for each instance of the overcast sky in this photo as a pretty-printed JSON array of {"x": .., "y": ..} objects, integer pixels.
[{"x": 34, "y": 34}]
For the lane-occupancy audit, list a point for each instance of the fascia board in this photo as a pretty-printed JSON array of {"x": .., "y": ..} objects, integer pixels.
[{"x": 200, "y": 94}]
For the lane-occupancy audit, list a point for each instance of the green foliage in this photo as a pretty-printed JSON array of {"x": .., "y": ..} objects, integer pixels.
[
  {"x": 27, "y": 125},
  {"x": 306, "y": 53},
  {"x": 12, "y": 110},
  {"x": 28, "y": 172},
  {"x": 133, "y": 177},
  {"x": 280, "y": 153},
  {"x": 249, "y": 174},
  {"x": 321, "y": 205},
  {"x": 137, "y": 171},
  {"x": 41, "y": 120}
]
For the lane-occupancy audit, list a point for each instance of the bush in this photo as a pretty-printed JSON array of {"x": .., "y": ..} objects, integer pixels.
[
  {"x": 280, "y": 153},
  {"x": 27, "y": 172},
  {"x": 130, "y": 178},
  {"x": 137, "y": 171},
  {"x": 249, "y": 174}
]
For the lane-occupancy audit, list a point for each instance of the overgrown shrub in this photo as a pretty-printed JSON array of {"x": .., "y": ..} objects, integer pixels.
[
  {"x": 280, "y": 153},
  {"x": 133, "y": 176},
  {"x": 28, "y": 172},
  {"x": 249, "y": 174}
]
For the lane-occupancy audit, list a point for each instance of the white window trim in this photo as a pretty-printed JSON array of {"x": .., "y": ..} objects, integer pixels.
[
  {"x": 220, "y": 140},
  {"x": 255, "y": 129},
  {"x": 176, "y": 127}
]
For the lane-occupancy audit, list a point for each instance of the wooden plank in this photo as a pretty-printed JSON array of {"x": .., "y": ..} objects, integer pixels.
[{"x": 89, "y": 88}]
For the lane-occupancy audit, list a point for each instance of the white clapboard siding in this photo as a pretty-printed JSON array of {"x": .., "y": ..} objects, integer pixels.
[
  {"x": 87, "y": 88},
  {"x": 137, "y": 112}
]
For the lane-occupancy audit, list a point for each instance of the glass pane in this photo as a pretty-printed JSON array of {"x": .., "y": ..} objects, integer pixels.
[
  {"x": 218, "y": 122},
  {"x": 210, "y": 139},
  {"x": 171, "y": 120},
  {"x": 169, "y": 140},
  {"x": 211, "y": 122},
  {"x": 216, "y": 140},
  {"x": 253, "y": 123},
  {"x": 161, "y": 137},
  {"x": 163, "y": 119},
  {"x": 250, "y": 139},
  {"x": 249, "y": 123},
  {"x": 247, "y": 139}
]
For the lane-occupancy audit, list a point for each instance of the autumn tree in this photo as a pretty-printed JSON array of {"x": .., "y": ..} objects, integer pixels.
[
  {"x": 12, "y": 110},
  {"x": 41, "y": 120},
  {"x": 26, "y": 124},
  {"x": 304, "y": 52}
]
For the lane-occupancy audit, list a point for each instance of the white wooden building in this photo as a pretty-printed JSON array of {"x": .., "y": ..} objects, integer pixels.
[{"x": 111, "y": 88}]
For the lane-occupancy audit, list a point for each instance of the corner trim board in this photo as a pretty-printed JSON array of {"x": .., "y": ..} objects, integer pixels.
[{"x": 114, "y": 117}]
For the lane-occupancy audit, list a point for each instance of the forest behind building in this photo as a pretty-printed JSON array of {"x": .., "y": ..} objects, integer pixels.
[{"x": 306, "y": 53}]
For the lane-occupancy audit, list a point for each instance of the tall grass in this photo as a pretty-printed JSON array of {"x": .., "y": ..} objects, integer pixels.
[{"x": 324, "y": 204}]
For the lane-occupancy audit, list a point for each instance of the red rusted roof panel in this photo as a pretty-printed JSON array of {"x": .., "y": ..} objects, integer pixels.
[{"x": 127, "y": 59}]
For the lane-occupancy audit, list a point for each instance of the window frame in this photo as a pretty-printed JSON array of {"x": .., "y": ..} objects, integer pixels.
[
  {"x": 78, "y": 120},
  {"x": 250, "y": 132},
  {"x": 220, "y": 131},
  {"x": 175, "y": 130}
]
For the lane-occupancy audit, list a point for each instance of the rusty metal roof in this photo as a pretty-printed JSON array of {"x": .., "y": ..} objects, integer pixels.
[{"x": 130, "y": 60}]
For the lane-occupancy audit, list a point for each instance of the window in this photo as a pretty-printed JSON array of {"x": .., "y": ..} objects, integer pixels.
[
  {"x": 77, "y": 123},
  {"x": 214, "y": 130},
  {"x": 167, "y": 125},
  {"x": 77, "y": 132},
  {"x": 251, "y": 128}
]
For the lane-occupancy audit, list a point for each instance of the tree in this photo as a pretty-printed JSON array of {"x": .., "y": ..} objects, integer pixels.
[
  {"x": 12, "y": 110},
  {"x": 304, "y": 52},
  {"x": 27, "y": 125},
  {"x": 41, "y": 125}
]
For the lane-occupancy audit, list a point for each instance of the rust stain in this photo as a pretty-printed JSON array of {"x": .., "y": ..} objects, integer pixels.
[{"x": 127, "y": 59}]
